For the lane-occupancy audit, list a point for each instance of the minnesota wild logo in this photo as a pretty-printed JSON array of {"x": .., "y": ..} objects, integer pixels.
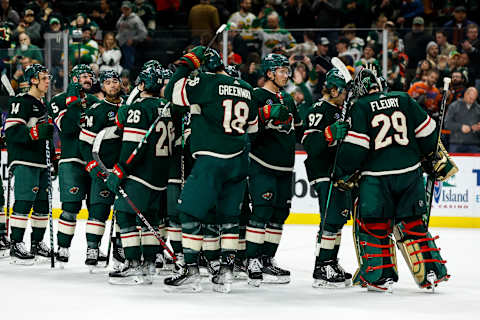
[{"x": 267, "y": 196}]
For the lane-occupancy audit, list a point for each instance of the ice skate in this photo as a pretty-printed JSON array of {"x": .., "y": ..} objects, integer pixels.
[
  {"x": 272, "y": 273},
  {"x": 207, "y": 268},
  {"x": 327, "y": 274},
  {"x": 4, "y": 246},
  {"x": 180, "y": 264},
  {"x": 102, "y": 259},
  {"x": 164, "y": 263},
  {"x": 222, "y": 281},
  {"x": 186, "y": 281},
  {"x": 149, "y": 271},
  {"x": 20, "y": 255},
  {"x": 240, "y": 270},
  {"x": 130, "y": 274},
  {"x": 41, "y": 252},
  {"x": 348, "y": 276},
  {"x": 382, "y": 285},
  {"x": 92, "y": 259},
  {"x": 62, "y": 256},
  {"x": 118, "y": 256},
  {"x": 254, "y": 272}
]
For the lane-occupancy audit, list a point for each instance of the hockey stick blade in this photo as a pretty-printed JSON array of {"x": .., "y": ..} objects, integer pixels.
[{"x": 337, "y": 63}]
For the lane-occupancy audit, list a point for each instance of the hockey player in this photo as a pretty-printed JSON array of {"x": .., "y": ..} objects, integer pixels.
[
  {"x": 100, "y": 116},
  {"x": 272, "y": 158},
  {"x": 150, "y": 64},
  {"x": 390, "y": 135},
  {"x": 323, "y": 130},
  {"x": 144, "y": 179},
  {"x": 68, "y": 110},
  {"x": 27, "y": 129},
  {"x": 222, "y": 114}
]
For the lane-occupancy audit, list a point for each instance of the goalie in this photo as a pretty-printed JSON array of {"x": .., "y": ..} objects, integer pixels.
[{"x": 389, "y": 137}]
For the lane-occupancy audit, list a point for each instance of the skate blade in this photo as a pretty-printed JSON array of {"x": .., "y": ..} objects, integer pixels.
[
  {"x": 188, "y": 288},
  {"x": 348, "y": 282},
  {"x": 222, "y": 288},
  {"x": 269, "y": 279},
  {"x": 127, "y": 281},
  {"x": 61, "y": 264},
  {"x": 254, "y": 282},
  {"x": 22, "y": 262},
  {"x": 96, "y": 269},
  {"x": 4, "y": 253},
  {"x": 42, "y": 260},
  {"x": 323, "y": 284},
  {"x": 164, "y": 271},
  {"x": 240, "y": 276},
  {"x": 204, "y": 272},
  {"x": 385, "y": 288}
]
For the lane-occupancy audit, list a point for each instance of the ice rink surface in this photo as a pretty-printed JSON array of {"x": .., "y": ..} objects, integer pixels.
[{"x": 38, "y": 292}]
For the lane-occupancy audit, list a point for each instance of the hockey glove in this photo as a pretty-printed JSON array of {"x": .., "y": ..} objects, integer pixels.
[
  {"x": 443, "y": 165},
  {"x": 42, "y": 131},
  {"x": 115, "y": 179},
  {"x": 93, "y": 168},
  {"x": 275, "y": 111},
  {"x": 336, "y": 131},
  {"x": 194, "y": 58},
  {"x": 73, "y": 94},
  {"x": 348, "y": 182}
]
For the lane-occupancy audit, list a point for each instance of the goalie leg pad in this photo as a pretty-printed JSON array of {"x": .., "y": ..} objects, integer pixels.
[
  {"x": 421, "y": 253},
  {"x": 376, "y": 254}
]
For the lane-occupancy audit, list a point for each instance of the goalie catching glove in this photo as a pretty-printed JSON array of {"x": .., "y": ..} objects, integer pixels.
[
  {"x": 440, "y": 164},
  {"x": 115, "y": 179},
  {"x": 274, "y": 111}
]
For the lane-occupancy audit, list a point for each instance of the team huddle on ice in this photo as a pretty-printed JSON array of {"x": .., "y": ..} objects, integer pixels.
[{"x": 201, "y": 159}]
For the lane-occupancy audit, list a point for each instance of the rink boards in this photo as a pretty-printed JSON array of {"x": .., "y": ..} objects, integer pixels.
[{"x": 456, "y": 201}]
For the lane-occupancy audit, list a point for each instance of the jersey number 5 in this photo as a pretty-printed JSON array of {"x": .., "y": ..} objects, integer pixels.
[
  {"x": 399, "y": 123},
  {"x": 239, "y": 110}
]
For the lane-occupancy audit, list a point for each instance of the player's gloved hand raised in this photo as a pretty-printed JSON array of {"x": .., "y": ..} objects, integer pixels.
[
  {"x": 274, "y": 111},
  {"x": 42, "y": 131},
  {"x": 115, "y": 179},
  {"x": 336, "y": 131},
  {"x": 95, "y": 171},
  {"x": 194, "y": 58},
  {"x": 73, "y": 93}
]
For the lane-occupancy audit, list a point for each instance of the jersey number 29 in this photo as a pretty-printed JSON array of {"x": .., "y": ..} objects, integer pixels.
[{"x": 399, "y": 123}]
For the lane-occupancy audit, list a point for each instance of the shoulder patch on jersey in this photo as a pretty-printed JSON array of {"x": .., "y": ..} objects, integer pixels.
[
  {"x": 193, "y": 82},
  {"x": 111, "y": 114}
]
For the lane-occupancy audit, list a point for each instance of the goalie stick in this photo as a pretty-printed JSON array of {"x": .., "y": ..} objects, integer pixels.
[
  {"x": 337, "y": 63},
  {"x": 96, "y": 157},
  {"x": 430, "y": 185}
]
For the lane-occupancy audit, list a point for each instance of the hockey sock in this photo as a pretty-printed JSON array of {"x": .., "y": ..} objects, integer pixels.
[
  {"x": 67, "y": 223},
  {"x": 150, "y": 245},
  {"x": 3, "y": 226},
  {"x": 118, "y": 238},
  {"x": 242, "y": 244},
  {"x": 211, "y": 241},
  {"x": 129, "y": 234},
  {"x": 325, "y": 248},
  {"x": 338, "y": 240},
  {"x": 229, "y": 239},
  {"x": 255, "y": 236},
  {"x": 192, "y": 237},
  {"x": 97, "y": 215},
  {"x": 19, "y": 219},
  {"x": 175, "y": 236},
  {"x": 273, "y": 235}
]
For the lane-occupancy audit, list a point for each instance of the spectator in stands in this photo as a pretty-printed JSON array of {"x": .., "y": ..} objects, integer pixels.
[
  {"x": 444, "y": 47},
  {"x": 89, "y": 49},
  {"x": 232, "y": 57},
  {"x": 54, "y": 25},
  {"x": 327, "y": 15},
  {"x": 432, "y": 53},
  {"x": 368, "y": 58},
  {"x": 203, "y": 17},
  {"x": 19, "y": 83},
  {"x": 298, "y": 14},
  {"x": 457, "y": 87},
  {"x": 342, "y": 51},
  {"x": 356, "y": 44},
  {"x": 125, "y": 82},
  {"x": 423, "y": 67},
  {"x": 30, "y": 27},
  {"x": 356, "y": 12},
  {"x": 8, "y": 14},
  {"x": 104, "y": 16},
  {"x": 395, "y": 76},
  {"x": 415, "y": 44},
  {"x": 131, "y": 32},
  {"x": 146, "y": 12},
  {"x": 27, "y": 49},
  {"x": 463, "y": 121},
  {"x": 427, "y": 94},
  {"x": 321, "y": 64},
  {"x": 383, "y": 7},
  {"x": 303, "y": 76},
  {"x": 307, "y": 47},
  {"x": 243, "y": 20},
  {"x": 250, "y": 71},
  {"x": 456, "y": 27},
  {"x": 275, "y": 36},
  {"x": 471, "y": 46},
  {"x": 409, "y": 10},
  {"x": 374, "y": 37},
  {"x": 110, "y": 54}
]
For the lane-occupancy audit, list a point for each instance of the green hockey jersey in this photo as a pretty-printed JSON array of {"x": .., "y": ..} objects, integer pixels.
[
  {"x": 101, "y": 116},
  {"x": 320, "y": 155},
  {"x": 68, "y": 122},
  {"x": 25, "y": 111},
  {"x": 274, "y": 144},
  {"x": 150, "y": 166},
  {"x": 390, "y": 134},
  {"x": 221, "y": 111}
]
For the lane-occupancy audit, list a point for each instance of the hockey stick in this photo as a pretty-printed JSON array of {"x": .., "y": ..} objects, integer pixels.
[
  {"x": 7, "y": 213},
  {"x": 50, "y": 209},
  {"x": 96, "y": 157},
  {"x": 110, "y": 239},
  {"x": 182, "y": 156},
  {"x": 429, "y": 189},
  {"x": 222, "y": 28},
  {"x": 337, "y": 63}
]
